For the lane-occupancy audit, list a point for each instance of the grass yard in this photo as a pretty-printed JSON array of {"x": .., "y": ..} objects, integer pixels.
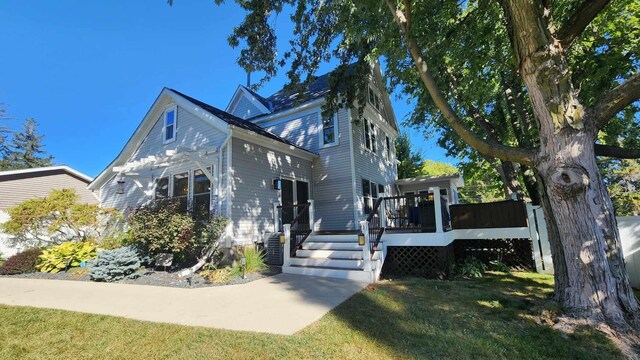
[{"x": 410, "y": 318}]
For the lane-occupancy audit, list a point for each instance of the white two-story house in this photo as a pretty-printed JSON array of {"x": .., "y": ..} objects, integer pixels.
[{"x": 256, "y": 155}]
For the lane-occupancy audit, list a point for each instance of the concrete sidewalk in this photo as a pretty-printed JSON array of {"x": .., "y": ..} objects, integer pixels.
[{"x": 281, "y": 304}]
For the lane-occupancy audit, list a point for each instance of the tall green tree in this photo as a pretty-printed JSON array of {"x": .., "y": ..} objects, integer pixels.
[
  {"x": 435, "y": 168},
  {"x": 544, "y": 63},
  {"x": 409, "y": 159},
  {"x": 26, "y": 149}
]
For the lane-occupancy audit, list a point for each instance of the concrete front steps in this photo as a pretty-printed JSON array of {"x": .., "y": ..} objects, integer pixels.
[{"x": 334, "y": 256}]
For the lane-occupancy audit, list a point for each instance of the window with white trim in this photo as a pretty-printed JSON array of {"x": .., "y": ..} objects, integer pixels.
[
  {"x": 370, "y": 191},
  {"x": 329, "y": 130},
  {"x": 201, "y": 194},
  {"x": 387, "y": 145},
  {"x": 374, "y": 99},
  {"x": 369, "y": 135},
  {"x": 162, "y": 188},
  {"x": 181, "y": 190},
  {"x": 169, "y": 129}
]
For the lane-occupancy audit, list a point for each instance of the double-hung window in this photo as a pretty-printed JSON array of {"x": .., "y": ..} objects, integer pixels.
[
  {"x": 181, "y": 190},
  {"x": 387, "y": 144},
  {"x": 329, "y": 130},
  {"x": 201, "y": 195},
  {"x": 369, "y": 135},
  {"x": 374, "y": 99},
  {"x": 370, "y": 192},
  {"x": 169, "y": 129},
  {"x": 162, "y": 188}
]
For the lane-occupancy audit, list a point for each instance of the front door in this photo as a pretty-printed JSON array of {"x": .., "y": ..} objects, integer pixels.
[
  {"x": 293, "y": 193},
  {"x": 288, "y": 199}
]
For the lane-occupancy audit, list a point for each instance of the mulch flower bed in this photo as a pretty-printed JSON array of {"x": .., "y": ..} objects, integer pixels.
[{"x": 145, "y": 276}]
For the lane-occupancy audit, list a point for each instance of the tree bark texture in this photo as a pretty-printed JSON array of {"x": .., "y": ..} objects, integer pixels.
[{"x": 577, "y": 204}]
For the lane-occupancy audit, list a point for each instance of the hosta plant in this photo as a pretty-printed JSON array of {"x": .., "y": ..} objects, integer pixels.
[{"x": 66, "y": 255}]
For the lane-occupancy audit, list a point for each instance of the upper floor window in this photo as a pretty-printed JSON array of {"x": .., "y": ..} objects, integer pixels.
[
  {"x": 387, "y": 147},
  {"x": 369, "y": 135},
  {"x": 374, "y": 99},
  {"x": 329, "y": 130},
  {"x": 169, "y": 129}
]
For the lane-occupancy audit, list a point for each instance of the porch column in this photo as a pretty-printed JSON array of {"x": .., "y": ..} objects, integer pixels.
[
  {"x": 383, "y": 211},
  {"x": 287, "y": 245},
  {"x": 437, "y": 208},
  {"x": 312, "y": 215}
]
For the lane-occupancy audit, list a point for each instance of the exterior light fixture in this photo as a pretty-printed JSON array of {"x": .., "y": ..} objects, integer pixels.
[
  {"x": 361, "y": 238},
  {"x": 282, "y": 239},
  {"x": 277, "y": 184},
  {"x": 120, "y": 189}
]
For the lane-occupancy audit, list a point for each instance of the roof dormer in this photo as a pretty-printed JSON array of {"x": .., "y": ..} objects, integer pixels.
[{"x": 247, "y": 104}]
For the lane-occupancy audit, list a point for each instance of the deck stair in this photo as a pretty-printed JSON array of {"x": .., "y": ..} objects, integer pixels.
[{"x": 335, "y": 256}]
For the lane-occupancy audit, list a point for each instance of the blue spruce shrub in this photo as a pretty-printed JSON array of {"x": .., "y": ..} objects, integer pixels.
[{"x": 116, "y": 264}]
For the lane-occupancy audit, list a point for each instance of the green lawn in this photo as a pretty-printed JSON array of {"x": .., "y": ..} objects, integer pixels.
[{"x": 411, "y": 318}]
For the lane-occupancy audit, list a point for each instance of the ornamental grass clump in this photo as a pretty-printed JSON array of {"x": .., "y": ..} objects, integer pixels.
[
  {"x": 21, "y": 263},
  {"x": 67, "y": 255},
  {"x": 116, "y": 264},
  {"x": 255, "y": 260}
]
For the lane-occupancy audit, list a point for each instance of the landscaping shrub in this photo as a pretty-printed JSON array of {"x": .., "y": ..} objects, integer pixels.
[
  {"x": 66, "y": 255},
  {"x": 499, "y": 266},
  {"x": 161, "y": 227},
  {"x": 56, "y": 218},
  {"x": 21, "y": 263},
  {"x": 116, "y": 264},
  {"x": 469, "y": 267}
]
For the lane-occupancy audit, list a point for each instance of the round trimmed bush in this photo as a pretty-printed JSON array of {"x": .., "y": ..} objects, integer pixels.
[{"x": 21, "y": 263}]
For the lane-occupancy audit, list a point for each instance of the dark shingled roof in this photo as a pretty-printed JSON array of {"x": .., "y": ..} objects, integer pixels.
[
  {"x": 236, "y": 121},
  {"x": 283, "y": 99}
]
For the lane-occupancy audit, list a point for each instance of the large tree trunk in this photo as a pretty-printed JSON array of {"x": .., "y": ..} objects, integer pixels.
[{"x": 596, "y": 287}]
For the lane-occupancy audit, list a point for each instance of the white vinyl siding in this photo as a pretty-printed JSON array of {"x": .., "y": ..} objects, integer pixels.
[
  {"x": 244, "y": 108},
  {"x": 194, "y": 133},
  {"x": 376, "y": 169},
  {"x": 254, "y": 168}
]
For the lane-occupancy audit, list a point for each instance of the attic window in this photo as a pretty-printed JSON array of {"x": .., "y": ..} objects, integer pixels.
[
  {"x": 169, "y": 129},
  {"x": 374, "y": 99}
]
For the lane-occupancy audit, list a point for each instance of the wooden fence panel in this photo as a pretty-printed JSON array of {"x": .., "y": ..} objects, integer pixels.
[{"x": 500, "y": 214}]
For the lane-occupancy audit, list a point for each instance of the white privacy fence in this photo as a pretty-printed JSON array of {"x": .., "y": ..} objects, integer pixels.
[{"x": 629, "y": 227}]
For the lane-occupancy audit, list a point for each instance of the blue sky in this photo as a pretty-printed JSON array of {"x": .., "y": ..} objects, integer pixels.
[{"x": 88, "y": 71}]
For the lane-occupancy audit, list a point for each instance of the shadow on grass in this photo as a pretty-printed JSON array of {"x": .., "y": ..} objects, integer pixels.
[{"x": 484, "y": 318}]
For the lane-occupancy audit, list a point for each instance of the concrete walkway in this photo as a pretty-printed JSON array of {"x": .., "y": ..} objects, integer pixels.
[{"x": 281, "y": 304}]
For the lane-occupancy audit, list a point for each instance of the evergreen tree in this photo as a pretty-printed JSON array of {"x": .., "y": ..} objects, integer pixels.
[
  {"x": 26, "y": 150},
  {"x": 410, "y": 161}
]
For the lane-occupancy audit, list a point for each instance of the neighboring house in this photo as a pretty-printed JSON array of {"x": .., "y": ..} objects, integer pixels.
[
  {"x": 260, "y": 152},
  {"x": 19, "y": 185}
]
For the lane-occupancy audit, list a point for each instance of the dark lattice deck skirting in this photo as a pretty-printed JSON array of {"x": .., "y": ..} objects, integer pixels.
[
  {"x": 422, "y": 261},
  {"x": 515, "y": 253}
]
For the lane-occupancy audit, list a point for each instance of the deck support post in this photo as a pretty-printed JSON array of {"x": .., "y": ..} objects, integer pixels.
[
  {"x": 312, "y": 215},
  {"x": 366, "y": 249},
  {"x": 437, "y": 208},
  {"x": 287, "y": 245}
]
